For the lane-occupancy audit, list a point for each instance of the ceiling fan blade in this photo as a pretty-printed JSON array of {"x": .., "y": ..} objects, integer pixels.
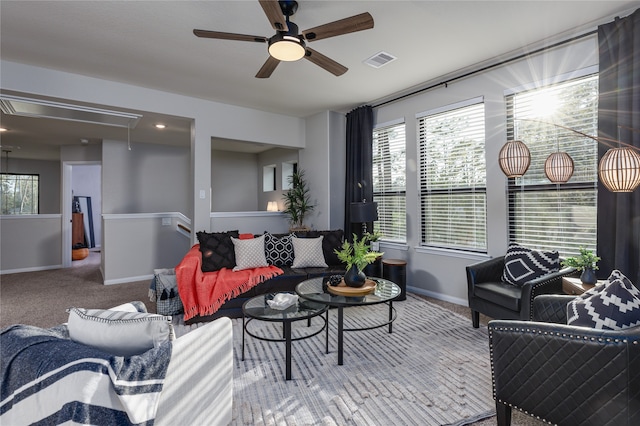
[
  {"x": 364, "y": 21},
  {"x": 325, "y": 62},
  {"x": 268, "y": 67},
  {"x": 274, "y": 14},
  {"x": 229, "y": 36}
]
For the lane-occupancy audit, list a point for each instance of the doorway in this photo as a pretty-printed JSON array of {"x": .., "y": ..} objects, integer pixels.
[{"x": 81, "y": 200}]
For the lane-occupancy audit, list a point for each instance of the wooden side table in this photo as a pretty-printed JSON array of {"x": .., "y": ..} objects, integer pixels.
[{"x": 572, "y": 285}]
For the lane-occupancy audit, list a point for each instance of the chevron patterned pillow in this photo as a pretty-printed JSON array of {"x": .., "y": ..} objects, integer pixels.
[
  {"x": 522, "y": 264},
  {"x": 614, "y": 305}
]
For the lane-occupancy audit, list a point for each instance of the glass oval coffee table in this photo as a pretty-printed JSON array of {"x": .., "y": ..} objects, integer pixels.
[
  {"x": 384, "y": 292},
  {"x": 257, "y": 308}
]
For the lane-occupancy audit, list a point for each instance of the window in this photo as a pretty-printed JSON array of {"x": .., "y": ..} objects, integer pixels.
[
  {"x": 20, "y": 193},
  {"x": 288, "y": 169},
  {"x": 269, "y": 178},
  {"x": 453, "y": 177},
  {"x": 542, "y": 214},
  {"x": 389, "y": 181}
]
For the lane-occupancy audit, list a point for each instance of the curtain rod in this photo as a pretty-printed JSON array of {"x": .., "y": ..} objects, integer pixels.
[{"x": 488, "y": 67}]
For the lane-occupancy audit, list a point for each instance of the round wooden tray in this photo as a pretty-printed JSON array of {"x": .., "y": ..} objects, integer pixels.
[{"x": 344, "y": 290}]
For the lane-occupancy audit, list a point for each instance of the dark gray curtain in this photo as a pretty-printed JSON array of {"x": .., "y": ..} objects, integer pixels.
[
  {"x": 619, "y": 105},
  {"x": 358, "y": 185}
]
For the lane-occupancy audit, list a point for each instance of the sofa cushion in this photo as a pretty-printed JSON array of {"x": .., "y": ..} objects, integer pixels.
[
  {"x": 249, "y": 253},
  {"x": 308, "y": 253},
  {"x": 119, "y": 333},
  {"x": 506, "y": 295},
  {"x": 217, "y": 250},
  {"x": 278, "y": 250},
  {"x": 522, "y": 264},
  {"x": 331, "y": 241},
  {"x": 614, "y": 305}
]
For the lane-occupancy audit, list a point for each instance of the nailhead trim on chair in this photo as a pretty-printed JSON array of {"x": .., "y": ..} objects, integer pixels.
[{"x": 541, "y": 332}]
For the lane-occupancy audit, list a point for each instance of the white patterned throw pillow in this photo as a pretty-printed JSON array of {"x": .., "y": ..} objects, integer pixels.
[
  {"x": 522, "y": 264},
  {"x": 614, "y": 305},
  {"x": 308, "y": 253},
  {"x": 249, "y": 253}
]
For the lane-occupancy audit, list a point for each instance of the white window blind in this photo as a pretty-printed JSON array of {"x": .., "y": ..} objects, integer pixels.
[
  {"x": 542, "y": 214},
  {"x": 389, "y": 181},
  {"x": 453, "y": 178}
]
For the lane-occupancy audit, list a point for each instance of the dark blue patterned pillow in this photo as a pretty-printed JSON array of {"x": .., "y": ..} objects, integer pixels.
[
  {"x": 614, "y": 305},
  {"x": 522, "y": 264},
  {"x": 279, "y": 250}
]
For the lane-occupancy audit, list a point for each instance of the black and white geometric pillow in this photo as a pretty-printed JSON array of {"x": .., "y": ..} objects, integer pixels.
[
  {"x": 521, "y": 264},
  {"x": 615, "y": 307},
  {"x": 279, "y": 250}
]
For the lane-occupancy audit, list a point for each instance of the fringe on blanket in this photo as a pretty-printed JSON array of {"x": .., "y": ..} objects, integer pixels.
[{"x": 216, "y": 304}]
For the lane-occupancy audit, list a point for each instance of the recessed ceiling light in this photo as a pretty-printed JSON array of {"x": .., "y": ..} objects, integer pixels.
[
  {"x": 160, "y": 126},
  {"x": 2, "y": 129}
]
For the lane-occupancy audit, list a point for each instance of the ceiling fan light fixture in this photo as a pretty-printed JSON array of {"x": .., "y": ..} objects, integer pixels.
[{"x": 286, "y": 47}]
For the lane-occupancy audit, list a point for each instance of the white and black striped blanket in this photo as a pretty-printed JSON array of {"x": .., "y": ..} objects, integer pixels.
[{"x": 49, "y": 379}]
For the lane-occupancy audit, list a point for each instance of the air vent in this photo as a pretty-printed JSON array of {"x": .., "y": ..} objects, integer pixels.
[
  {"x": 380, "y": 59},
  {"x": 38, "y": 108}
]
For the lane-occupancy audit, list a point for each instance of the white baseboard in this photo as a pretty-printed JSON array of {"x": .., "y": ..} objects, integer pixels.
[
  {"x": 128, "y": 279},
  {"x": 32, "y": 269},
  {"x": 439, "y": 296}
]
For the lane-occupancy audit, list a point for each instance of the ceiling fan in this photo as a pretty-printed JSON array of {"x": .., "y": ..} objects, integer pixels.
[{"x": 288, "y": 44}]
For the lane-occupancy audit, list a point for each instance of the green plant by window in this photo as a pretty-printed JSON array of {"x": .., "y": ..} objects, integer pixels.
[
  {"x": 586, "y": 260},
  {"x": 357, "y": 253},
  {"x": 372, "y": 236}
]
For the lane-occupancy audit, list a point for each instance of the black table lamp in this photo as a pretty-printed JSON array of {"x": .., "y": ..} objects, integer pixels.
[{"x": 366, "y": 213}]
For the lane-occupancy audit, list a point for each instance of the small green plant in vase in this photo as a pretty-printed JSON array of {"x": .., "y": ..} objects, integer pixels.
[
  {"x": 585, "y": 262},
  {"x": 356, "y": 256},
  {"x": 374, "y": 239}
]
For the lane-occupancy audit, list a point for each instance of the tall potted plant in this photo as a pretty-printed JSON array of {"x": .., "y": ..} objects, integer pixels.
[{"x": 297, "y": 202}]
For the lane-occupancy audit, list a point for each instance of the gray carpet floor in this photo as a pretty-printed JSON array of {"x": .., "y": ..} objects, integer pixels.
[{"x": 41, "y": 299}]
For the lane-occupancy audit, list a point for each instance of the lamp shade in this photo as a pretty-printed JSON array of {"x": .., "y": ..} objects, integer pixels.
[
  {"x": 558, "y": 167},
  {"x": 619, "y": 169},
  {"x": 514, "y": 159},
  {"x": 364, "y": 212}
]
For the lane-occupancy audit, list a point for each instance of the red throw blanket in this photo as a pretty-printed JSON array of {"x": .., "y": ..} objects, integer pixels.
[{"x": 203, "y": 293}]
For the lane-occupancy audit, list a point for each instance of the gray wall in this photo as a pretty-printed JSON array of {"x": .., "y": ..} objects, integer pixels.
[
  {"x": 275, "y": 156},
  {"x": 234, "y": 181},
  {"x": 49, "y": 172},
  {"x": 149, "y": 178}
]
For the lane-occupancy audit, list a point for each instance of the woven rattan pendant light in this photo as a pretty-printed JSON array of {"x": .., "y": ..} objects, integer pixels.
[
  {"x": 558, "y": 167},
  {"x": 619, "y": 169},
  {"x": 514, "y": 159}
]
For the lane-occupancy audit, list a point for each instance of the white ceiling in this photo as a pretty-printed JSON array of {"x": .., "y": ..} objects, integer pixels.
[{"x": 151, "y": 44}]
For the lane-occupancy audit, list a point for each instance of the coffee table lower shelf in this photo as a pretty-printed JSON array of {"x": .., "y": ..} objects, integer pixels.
[{"x": 257, "y": 308}]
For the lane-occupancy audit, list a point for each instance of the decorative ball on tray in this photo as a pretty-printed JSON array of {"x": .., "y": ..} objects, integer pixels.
[{"x": 356, "y": 256}]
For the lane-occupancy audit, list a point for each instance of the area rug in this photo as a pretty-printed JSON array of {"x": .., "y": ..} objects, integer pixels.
[{"x": 432, "y": 370}]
